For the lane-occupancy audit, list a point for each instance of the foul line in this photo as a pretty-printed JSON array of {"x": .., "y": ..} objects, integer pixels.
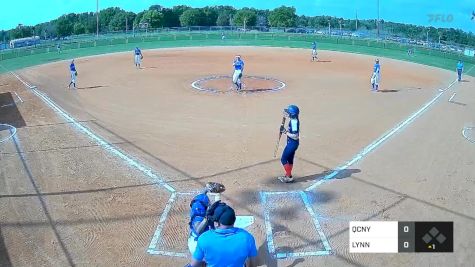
[
  {"x": 99, "y": 140},
  {"x": 363, "y": 153}
]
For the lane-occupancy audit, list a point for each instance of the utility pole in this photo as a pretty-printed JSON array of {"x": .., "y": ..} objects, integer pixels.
[
  {"x": 356, "y": 20},
  {"x": 97, "y": 18},
  {"x": 126, "y": 24},
  {"x": 341, "y": 33},
  {"x": 329, "y": 31},
  {"x": 377, "y": 24}
]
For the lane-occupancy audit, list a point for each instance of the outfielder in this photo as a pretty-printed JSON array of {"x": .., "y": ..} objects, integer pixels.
[
  {"x": 292, "y": 133},
  {"x": 238, "y": 65},
  {"x": 138, "y": 57},
  {"x": 74, "y": 73},
  {"x": 314, "y": 51},
  {"x": 459, "y": 70},
  {"x": 376, "y": 77}
]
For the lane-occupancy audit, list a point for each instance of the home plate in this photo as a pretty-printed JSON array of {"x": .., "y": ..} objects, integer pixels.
[{"x": 244, "y": 221}]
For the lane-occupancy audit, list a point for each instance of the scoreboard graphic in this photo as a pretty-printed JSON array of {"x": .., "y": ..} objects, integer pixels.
[{"x": 400, "y": 237}]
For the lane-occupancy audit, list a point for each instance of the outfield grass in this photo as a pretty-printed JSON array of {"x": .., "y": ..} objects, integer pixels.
[{"x": 26, "y": 58}]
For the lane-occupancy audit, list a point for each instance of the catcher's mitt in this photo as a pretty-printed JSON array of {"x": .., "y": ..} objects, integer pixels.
[
  {"x": 141, "y": 57},
  {"x": 215, "y": 187},
  {"x": 76, "y": 73}
]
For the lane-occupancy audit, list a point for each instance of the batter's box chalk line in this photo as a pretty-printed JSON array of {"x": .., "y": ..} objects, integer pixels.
[
  {"x": 198, "y": 85},
  {"x": 266, "y": 203},
  {"x": 154, "y": 247}
]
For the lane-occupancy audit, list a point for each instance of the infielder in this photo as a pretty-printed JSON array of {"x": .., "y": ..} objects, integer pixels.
[
  {"x": 238, "y": 65},
  {"x": 137, "y": 57},
  {"x": 314, "y": 51},
  {"x": 74, "y": 73},
  {"x": 376, "y": 77},
  {"x": 199, "y": 210},
  {"x": 292, "y": 133},
  {"x": 460, "y": 70}
]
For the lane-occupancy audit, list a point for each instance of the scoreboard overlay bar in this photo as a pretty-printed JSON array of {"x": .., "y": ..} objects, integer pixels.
[{"x": 400, "y": 237}]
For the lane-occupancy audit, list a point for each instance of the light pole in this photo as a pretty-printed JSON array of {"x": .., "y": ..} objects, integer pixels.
[
  {"x": 341, "y": 33},
  {"x": 377, "y": 24},
  {"x": 97, "y": 18},
  {"x": 329, "y": 31}
]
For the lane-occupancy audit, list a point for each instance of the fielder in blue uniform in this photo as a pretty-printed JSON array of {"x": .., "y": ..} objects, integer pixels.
[
  {"x": 238, "y": 65},
  {"x": 460, "y": 70},
  {"x": 292, "y": 134},
  {"x": 314, "y": 51},
  {"x": 376, "y": 77},
  {"x": 74, "y": 73},
  {"x": 138, "y": 57}
]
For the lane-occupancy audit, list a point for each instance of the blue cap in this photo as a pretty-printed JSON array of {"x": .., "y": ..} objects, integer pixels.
[{"x": 225, "y": 215}]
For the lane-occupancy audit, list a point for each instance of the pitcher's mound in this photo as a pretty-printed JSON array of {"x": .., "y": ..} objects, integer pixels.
[{"x": 250, "y": 84}]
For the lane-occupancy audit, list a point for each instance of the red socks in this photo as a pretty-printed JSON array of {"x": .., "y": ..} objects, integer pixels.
[{"x": 288, "y": 169}]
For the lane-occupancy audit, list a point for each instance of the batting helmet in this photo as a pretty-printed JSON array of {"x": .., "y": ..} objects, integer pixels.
[{"x": 292, "y": 110}]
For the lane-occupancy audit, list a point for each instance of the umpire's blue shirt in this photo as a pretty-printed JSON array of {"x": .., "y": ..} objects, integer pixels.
[{"x": 225, "y": 247}]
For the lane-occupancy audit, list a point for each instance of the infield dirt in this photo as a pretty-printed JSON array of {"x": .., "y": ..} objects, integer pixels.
[{"x": 66, "y": 200}]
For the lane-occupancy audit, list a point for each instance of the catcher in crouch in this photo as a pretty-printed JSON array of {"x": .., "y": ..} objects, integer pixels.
[
  {"x": 200, "y": 208},
  {"x": 292, "y": 134}
]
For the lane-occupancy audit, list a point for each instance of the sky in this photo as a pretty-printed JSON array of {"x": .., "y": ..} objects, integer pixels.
[{"x": 445, "y": 13}]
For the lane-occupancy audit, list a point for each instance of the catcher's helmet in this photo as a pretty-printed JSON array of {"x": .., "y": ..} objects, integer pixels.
[{"x": 292, "y": 110}]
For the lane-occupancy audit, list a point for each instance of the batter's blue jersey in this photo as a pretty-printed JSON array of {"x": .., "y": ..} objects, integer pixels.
[
  {"x": 72, "y": 67},
  {"x": 137, "y": 51},
  {"x": 314, "y": 46},
  {"x": 294, "y": 128},
  {"x": 377, "y": 68},
  {"x": 460, "y": 66},
  {"x": 238, "y": 64}
]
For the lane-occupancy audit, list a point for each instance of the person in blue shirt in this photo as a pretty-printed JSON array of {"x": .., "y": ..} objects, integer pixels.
[
  {"x": 74, "y": 73},
  {"x": 138, "y": 57},
  {"x": 314, "y": 51},
  {"x": 460, "y": 70},
  {"x": 225, "y": 245},
  {"x": 238, "y": 65},
  {"x": 292, "y": 134},
  {"x": 376, "y": 77}
]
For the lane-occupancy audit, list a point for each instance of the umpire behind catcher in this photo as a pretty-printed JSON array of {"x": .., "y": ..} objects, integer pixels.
[{"x": 226, "y": 245}]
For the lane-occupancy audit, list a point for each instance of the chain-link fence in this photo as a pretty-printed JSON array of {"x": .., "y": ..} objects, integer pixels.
[{"x": 327, "y": 36}]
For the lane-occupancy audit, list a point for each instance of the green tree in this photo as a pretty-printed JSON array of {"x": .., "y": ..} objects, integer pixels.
[
  {"x": 303, "y": 21},
  {"x": 64, "y": 26},
  {"x": 245, "y": 17},
  {"x": 211, "y": 15},
  {"x": 170, "y": 18},
  {"x": 193, "y": 17},
  {"x": 283, "y": 17},
  {"x": 153, "y": 17},
  {"x": 225, "y": 14},
  {"x": 79, "y": 28}
]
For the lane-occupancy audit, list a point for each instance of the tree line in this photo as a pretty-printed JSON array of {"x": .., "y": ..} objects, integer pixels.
[{"x": 157, "y": 16}]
